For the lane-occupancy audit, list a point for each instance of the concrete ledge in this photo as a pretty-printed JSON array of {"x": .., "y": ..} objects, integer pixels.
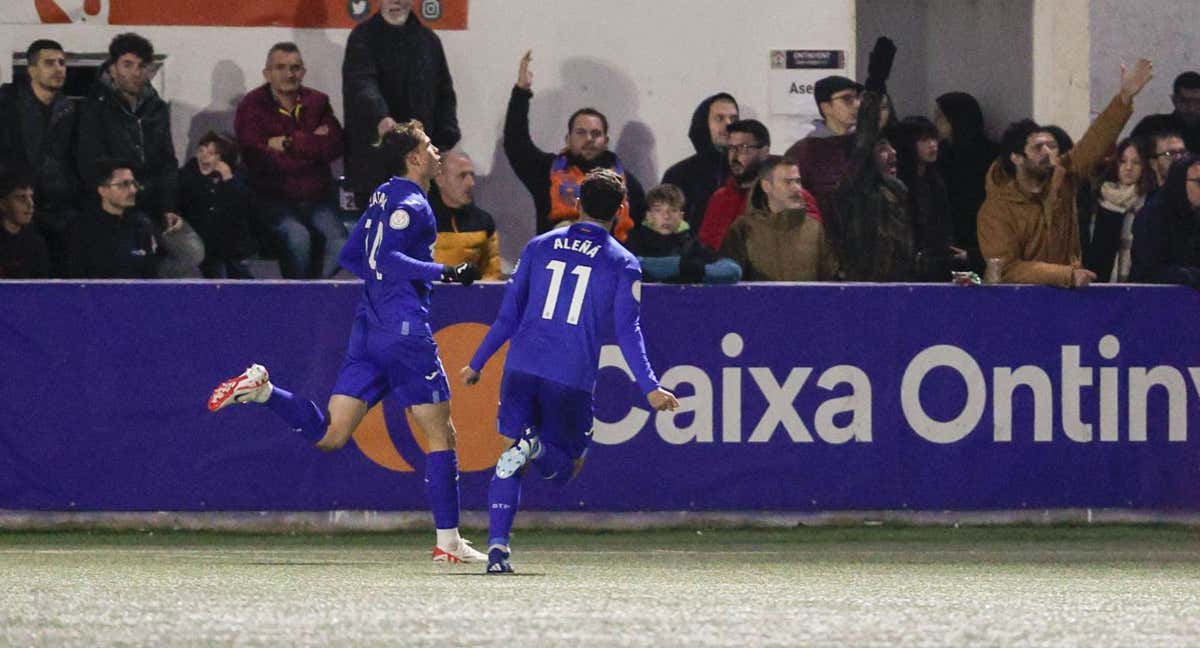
[{"x": 382, "y": 521}]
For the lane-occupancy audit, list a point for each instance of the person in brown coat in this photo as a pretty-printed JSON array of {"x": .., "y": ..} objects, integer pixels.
[
  {"x": 776, "y": 239},
  {"x": 1028, "y": 220}
]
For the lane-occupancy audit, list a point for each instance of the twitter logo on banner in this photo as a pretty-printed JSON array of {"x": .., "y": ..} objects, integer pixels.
[{"x": 358, "y": 9}]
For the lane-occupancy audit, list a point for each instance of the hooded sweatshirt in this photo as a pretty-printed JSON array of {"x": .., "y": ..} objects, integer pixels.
[
  {"x": 1037, "y": 236},
  {"x": 701, "y": 174}
]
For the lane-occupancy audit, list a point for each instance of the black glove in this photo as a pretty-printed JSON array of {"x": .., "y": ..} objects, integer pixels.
[
  {"x": 879, "y": 64},
  {"x": 463, "y": 273}
]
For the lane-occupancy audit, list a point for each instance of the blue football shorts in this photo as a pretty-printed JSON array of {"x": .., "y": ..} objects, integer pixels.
[
  {"x": 379, "y": 363},
  {"x": 560, "y": 415}
]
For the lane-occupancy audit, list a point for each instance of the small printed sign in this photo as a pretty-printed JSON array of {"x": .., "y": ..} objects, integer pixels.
[{"x": 792, "y": 75}]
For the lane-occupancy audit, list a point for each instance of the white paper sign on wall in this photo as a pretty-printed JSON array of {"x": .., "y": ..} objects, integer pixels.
[{"x": 792, "y": 74}]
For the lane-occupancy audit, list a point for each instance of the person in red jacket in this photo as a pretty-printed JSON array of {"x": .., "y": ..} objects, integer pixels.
[{"x": 289, "y": 136}]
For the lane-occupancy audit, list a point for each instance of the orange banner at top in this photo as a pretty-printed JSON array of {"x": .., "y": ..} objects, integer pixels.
[{"x": 438, "y": 14}]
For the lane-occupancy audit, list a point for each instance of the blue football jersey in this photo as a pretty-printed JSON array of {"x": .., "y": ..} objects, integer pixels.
[
  {"x": 391, "y": 249},
  {"x": 572, "y": 289}
]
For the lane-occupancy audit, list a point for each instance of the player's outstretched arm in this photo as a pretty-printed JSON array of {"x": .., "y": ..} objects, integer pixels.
[
  {"x": 512, "y": 309},
  {"x": 663, "y": 400}
]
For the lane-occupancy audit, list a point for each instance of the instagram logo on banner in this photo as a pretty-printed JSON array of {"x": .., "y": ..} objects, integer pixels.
[
  {"x": 73, "y": 11},
  {"x": 431, "y": 9}
]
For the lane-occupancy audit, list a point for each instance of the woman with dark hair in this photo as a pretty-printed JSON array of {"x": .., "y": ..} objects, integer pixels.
[
  {"x": 965, "y": 156},
  {"x": 1107, "y": 231},
  {"x": 1166, "y": 237},
  {"x": 917, "y": 149}
]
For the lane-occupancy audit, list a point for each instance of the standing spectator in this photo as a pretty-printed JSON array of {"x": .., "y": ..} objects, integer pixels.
[
  {"x": 553, "y": 179},
  {"x": 37, "y": 131},
  {"x": 1029, "y": 218},
  {"x": 1185, "y": 120},
  {"x": 1166, "y": 236},
  {"x": 124, "y": 118},
  {"x": 824, "y": 155},
  {"x": 1107, "y": 235},
  {"x": 465, "y": 232},
  {"x": 872, "y": 224},
  {"x": 114, "y": 239},
  {"x": 701, "y": 174},
  {"x": 667, "y": 247},
  {"x": 965, "y": 154},
  {"x": 394, "y": 70},
  {"x": 776, "y": 240},
  {"x": 23, "y": 253},
  {"x": 215, "y": 199},
  {"x": 289, "y": 136},
  {"x": 916, "y": 142}
]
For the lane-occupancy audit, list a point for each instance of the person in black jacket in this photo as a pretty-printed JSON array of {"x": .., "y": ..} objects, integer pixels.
[
  {"x": 22, "y": 251},
  {"x": 214, "y": 197},
  {"x": 700, "y": 175},
  {"x": 113, "y": 239},
  {"x": 124, "y": 118},
  {"x": 1166, "y": 235},
  {"x": 394, "y": 70},
  {"x": 667, "y": 247},
  {"x": 37, "y": 130},
  {"x": 916, "y": 142},
  {"x": 553, "y": 179},
  {"x": 965, "y": 156}
]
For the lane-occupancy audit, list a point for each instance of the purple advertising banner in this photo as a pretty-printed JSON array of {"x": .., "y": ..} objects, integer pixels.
[{"x": 794, "y": 398}]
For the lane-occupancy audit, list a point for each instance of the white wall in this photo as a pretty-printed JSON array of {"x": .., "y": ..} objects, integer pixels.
[{"x": 645, "y": 64}]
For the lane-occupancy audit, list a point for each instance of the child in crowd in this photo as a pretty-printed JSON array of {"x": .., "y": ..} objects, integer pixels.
[
  {"x": 214, "y": 198},
  {"x": 668, "y": 249}
]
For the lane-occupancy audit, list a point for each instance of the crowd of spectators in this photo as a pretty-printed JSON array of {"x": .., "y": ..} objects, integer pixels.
[{"x": 93, "y": 188}]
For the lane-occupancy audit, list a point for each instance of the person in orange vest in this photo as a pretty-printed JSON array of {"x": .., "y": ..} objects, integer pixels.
[{"x": 553, "y": 179}]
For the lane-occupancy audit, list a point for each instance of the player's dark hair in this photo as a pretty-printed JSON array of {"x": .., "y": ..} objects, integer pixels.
[
  {"x": 665, "y": 194},
  {"x": 591, "y": 112},
  {"x": 601, "y": 194},
  {"x": 104, "y": 168},
  {"x": 395, "y": 145},
  {"x": 37, "y": 46},
  {"x": 130, "y": 43},
  {"x": 753, "y": 128}
]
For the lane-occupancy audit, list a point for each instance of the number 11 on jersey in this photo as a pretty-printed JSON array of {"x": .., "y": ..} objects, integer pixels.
[{"x": 557, "y": 270}]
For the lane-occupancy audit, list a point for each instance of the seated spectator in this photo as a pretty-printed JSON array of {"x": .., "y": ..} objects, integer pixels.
[
  {"x": 776, "y": 240},
  {"x": 750, "y": 144},
  {"x": 916, "y": 142},
  {"x": 215, "y": 199},
  {"x": 124, "y": 118},
  {"x": 394, "y": 70},
  {"x": 964, "y": 156},
  {"x": 1028, "y": 220},
  {"x": 23, "y": 253},
  {"x": 289, "y": 136},
  {"x": 872, "y": 226},
  {"x": 553, "y": 178},
  {"x": 1185, "y": 120},
  {"x": 114, "y": 239},
  {"x": 824, "y": 155},
  {"x": 1166, "y": 235},
  {"x": 466, "y": 233},
  {"x": 703, "y": 173},
  {"x": 1166, "y": 148},
  {"x": 1106, "y": 236},
  {"x": 667, "y": 247},
  {"x": 37, "y": 131}
]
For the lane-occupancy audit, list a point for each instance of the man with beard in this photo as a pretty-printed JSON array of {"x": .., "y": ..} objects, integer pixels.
[
  {"x": 37, "y": 131},
  {"x": 553, "y": 179},
  {"x": 1028, "y": 220},
  {"x": 703, "y": 173},
  {"x": 749, "y": 145}
]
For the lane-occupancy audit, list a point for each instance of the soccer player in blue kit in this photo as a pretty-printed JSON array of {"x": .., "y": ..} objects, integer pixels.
[
  {"x": 391, "y": 348},
  {"x": 571, "y": 288}
]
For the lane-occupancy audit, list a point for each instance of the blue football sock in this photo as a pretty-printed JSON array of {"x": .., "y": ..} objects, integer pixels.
[
  {"x": 503, "y": 497},
  {"x": 301, "y": 414},
  {"x": 554, "y": 463},
  {"x": 441, "y": 486}
]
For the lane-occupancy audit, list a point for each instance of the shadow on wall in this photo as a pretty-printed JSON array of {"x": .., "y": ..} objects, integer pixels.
[
  {"x": 586, "y": 82},
  {"x": 228, "y": 88}
]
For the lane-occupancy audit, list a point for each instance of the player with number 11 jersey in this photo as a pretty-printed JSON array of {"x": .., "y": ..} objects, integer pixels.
[{"x": 572, "y": 288}]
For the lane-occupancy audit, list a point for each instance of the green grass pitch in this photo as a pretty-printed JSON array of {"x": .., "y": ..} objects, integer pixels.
[{"x": 862, "y": 586}]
